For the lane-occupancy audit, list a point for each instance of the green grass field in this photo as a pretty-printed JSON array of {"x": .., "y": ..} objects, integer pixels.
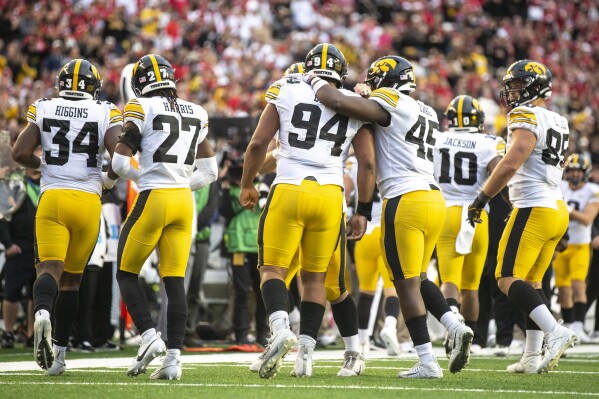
[{"x": 207, "y": 376}]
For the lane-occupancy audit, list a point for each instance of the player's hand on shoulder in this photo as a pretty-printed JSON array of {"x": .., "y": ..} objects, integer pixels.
[
  {"x": 362, "y": 89},
  {"x": 308, "y": 77}
]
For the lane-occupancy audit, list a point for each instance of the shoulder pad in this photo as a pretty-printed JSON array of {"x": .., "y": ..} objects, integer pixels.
[{"x": 387, "y": 94}]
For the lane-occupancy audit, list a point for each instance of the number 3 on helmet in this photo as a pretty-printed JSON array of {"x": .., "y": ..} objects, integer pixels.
[
  {"x": 152, "y": 72},
  {"x": 78, "y": 79}
]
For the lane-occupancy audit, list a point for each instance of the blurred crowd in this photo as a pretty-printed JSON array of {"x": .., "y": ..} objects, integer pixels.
[{"x": 227, "y": 52}]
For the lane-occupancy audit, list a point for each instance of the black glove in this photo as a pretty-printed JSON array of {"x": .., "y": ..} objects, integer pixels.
[{"x": 476, "y": 208}]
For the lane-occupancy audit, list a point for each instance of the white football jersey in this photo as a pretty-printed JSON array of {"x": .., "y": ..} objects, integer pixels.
[
  {"x": 377, "y": 203},
  {"x": 537, "y": 182},
  {"x": 404, "y": 149},
  {"x": 313, "y": 140},
  {"x": 72, "y": 136},
  {"x": 169, "y": 139},
  {"x": 579, "y": 199},
  {"x": 461, "y": 161}
]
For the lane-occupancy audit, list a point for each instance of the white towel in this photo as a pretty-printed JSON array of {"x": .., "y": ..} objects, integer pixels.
[{"x": 463, "y": 242}]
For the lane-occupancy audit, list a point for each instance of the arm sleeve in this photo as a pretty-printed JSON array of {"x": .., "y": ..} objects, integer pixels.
[
  {"x": 206, "y": 173},
  {"x": 122, "y": 167}
]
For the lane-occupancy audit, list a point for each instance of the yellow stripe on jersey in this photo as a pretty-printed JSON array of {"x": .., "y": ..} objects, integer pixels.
[
  {"x": 133, "y": 109},
  {"x": 155, "y": 66},
  {"x": 76, "y": 75},
  {"x": 460, "y": 110},
  {"x": 389, "y": 96},
  {"x": 32, "y": 113},
  {"x": 273, "y": 91},
  {"x": 115, "y": 116},
  {"x": 522, "y": 115},
  {"x": 500, "y": 148}
]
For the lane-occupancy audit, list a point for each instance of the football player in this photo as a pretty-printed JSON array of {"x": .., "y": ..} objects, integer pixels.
[
  {"x": 532, "y": 168},
  {"x": 413, "y": 207},
  {"x": 572, "y": 266},
  {"x": 342, "y": 304},
  {"x": 464, "y": 158},
  {"x": 305, "y": 205},
  {"x": 370, "y": 266},
  {"x": 171, "y": 136},
  {"x": 74, "y": 130}
]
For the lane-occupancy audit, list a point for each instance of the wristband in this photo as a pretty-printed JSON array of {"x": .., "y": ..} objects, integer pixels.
[
  {"x": 365, "y": 209},
  {"x": 317, "y": 84}
]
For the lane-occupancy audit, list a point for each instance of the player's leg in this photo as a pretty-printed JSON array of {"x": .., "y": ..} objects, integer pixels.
[
  {"x": 139, "y": 236},
  {"x": 580, "y": 268}
]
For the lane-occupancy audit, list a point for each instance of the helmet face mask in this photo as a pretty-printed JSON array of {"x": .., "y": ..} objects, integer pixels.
[
  {"x": 465, "y": 114},
  {"x": 328, "y": 62},
  {"x": 525, "y": 81},
  {"x": 578, "y": 169},
  {"x": 391, "y": 71},
  {"x": 78, "y": 79},
  {"x": 152, "y": 72}
]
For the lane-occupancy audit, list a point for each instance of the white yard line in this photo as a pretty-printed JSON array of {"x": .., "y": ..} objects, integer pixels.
[
  {"x": 243, "y": 357},
  {"x": 304, "y": 387}
]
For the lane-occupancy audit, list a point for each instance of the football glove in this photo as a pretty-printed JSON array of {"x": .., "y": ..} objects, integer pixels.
[{"x": 476, "y": 208}]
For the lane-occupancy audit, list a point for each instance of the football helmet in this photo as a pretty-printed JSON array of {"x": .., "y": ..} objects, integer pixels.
[
  {"x": 535, "y": 81},
  {"x": 152, "y": 72},
  {"x": 391, "y": 71},
  {"x": 78, "y": 79},
  {"x": 578, "y": 161},
  {"x": 298, "y": 67},
  {"x": 327, "y": 61},
  {"x": 465, "y": 115}
]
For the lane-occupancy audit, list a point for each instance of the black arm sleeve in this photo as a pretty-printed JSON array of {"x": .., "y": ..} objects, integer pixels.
[
  {"x": 205, "y": 215},
  {"x": 131, "y": 137}
]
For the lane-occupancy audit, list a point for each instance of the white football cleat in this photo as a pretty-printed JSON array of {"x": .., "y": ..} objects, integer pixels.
[
  {"x": 557, "y": 341},
  {"x": 59, "y": 365},
  {"x": 147, "y": 352},
  {"x": 423, "y": 370},
  {"x": 170, "y": 369},
  {"x": 256, "y": 364},
  {"x": 528, "y": 364},
  {"x": 279, "y": 345},
  {"x": 42, "y": 340},
  {"x": 353, "y": 365},
  {"x": 389, "y": 336},
  {"x": 303, "y": 362},
  {"x": 461, "y": 338}
]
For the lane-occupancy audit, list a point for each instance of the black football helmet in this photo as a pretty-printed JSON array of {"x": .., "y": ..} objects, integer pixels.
[
  {"x": 78, "y": 79},
  {"x": 327, "y": 61},
  {"x": 536, "y": 82},
  {"x": 298, "y": 67},
  {"x": 465, "y": 115},
  {"x": 152, "y": 72},
  {"x": 580, "y": 162},
  {"x": 391, "y": 71}
]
